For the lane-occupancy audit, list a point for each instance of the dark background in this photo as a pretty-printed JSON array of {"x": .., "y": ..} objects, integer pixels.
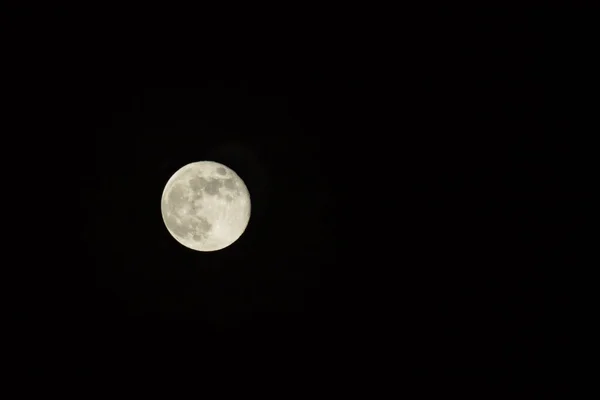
[{"x": 407, "y": 174}]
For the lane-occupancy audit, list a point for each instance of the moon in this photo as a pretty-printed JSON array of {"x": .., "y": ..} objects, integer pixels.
[{"x": 205, "y": 206}]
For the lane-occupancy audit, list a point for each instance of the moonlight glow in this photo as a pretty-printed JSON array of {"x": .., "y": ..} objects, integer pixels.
[{"x": 205, "y": 206}]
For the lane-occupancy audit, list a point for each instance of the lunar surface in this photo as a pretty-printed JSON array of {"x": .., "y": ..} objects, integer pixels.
[{"x": 206, "y": 206}]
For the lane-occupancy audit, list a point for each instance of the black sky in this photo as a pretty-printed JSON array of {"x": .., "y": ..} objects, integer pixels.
[{"x": 405, "y": 179}]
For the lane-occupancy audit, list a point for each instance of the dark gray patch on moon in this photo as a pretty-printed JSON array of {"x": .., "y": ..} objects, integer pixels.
[
  {"x": 229, "y": 197},
  {"x": 230, "y": 184},
  {"x": 213, "y": 186},
  {"x": 201, "y": 228},
  {"x": 197, "y": 195},
  {"x": 197, "y": 184},
  {"x": 178, "y": 229},
  {"x": 177, "y": 196},
  {"x": 221, "y": 171}
]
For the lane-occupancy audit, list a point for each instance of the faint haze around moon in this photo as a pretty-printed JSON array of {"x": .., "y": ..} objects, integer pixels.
[{"x": 205, "y": 206}]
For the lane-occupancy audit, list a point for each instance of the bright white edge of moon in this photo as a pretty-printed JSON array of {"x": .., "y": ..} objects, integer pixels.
[{"x": 205, "y": 206}]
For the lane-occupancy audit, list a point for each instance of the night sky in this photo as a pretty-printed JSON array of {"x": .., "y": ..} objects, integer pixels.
[{"x": 405, "y": 187}]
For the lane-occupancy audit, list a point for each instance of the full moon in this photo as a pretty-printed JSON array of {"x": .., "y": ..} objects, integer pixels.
[{"x": 205, "y": 206}]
